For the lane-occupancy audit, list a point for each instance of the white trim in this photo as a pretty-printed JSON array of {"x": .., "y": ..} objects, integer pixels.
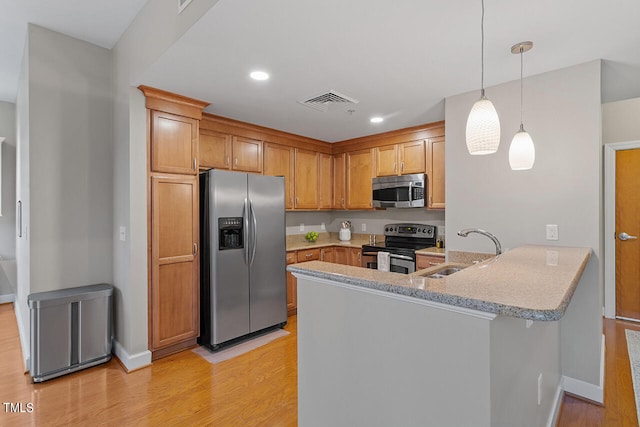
[
  {"x": 7, "y": 298},
  {"x": 25, "y": 334},
  {"x": 610, "y": 223},
  {"x": 584, "y": 389},
  {"x": 414, "y": 300},
  {"x": 555, "y": 406},
  {"x": 131, "y": 362}
]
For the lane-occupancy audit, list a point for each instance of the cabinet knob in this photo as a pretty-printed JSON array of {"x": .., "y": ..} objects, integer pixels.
[
  {"x": 195, "y": 164},
  {"x": 235, "y": 162},
  {"x": 226, "y": 160},
  {"x": 394, "y": 167},
  {"x": 402, "y": 167},
  {"x": 195, "y": 249}
]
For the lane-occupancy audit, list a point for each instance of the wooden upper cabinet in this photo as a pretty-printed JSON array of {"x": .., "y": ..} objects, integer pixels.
[
  {"x": 436, "y": 173},
  {"x": 326, "y": 180},
  {"x": 278, "y": 161},
  {"x": 339, "y": 175},
  {"x": 306, "y": 179},
  {"x": 387, "y": 160},
  {"x": 412, "y": 157},
  {"x": 247, "y": 154},
  {"x": 215, "y": 150},
  {"x": 401, "y": 159},
  {"x": 175, "y": 289},
  {"x": 174, "y": 143},
  {"x": 360, "y": 171}
]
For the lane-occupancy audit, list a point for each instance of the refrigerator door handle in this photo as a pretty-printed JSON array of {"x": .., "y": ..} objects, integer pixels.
[
  {"x": 245, "y": 217},
  {"x": 253, "y": 232}
]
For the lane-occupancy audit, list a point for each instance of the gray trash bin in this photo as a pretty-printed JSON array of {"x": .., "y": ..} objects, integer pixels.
[{"x": 71, "y": 329}]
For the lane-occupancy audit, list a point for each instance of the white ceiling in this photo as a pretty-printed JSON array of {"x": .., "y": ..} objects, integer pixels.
[
  {"x": 97, "y": 21},
  {"x": 400, "y": 59}
]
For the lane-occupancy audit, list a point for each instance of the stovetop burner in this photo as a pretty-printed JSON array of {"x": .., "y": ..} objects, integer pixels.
[{"x": 405, "y": 238}]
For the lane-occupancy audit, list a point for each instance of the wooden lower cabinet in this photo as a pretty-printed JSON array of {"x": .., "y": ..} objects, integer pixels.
[
  {"x": 341, "y": 255},
  {"x": 292, "y": 286},
  {"x": 175, "y": 291},
  {"x": 355, "y": 257},
  {"x": 327, "y": 254},
  {"x": 427, "y": 261}
]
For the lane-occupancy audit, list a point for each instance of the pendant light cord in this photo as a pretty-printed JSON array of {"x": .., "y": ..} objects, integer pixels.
[
  {"x": 521, "y": 91},
  {"x": 482, "y": 51}
]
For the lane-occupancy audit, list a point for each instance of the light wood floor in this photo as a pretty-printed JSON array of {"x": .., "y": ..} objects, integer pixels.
[
  {"x": 619, "y": 403},
  {"x": 258, "y": 388},
  {"x": 255, "y": 389}
]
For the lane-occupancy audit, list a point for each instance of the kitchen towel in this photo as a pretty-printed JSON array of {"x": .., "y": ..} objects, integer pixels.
[{"x": 383, "y": 261}]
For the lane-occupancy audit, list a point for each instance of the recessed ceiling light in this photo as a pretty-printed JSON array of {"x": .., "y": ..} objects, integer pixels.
[
  {"x": 259, "y": 75},
  {"x": 376, "y": 120}
]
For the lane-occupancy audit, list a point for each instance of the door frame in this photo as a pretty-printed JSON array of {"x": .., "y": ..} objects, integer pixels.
[{"x": 610, "y": 223}]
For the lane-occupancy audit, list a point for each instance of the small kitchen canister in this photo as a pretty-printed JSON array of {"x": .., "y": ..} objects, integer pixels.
[{"x": 345, "y": 230}]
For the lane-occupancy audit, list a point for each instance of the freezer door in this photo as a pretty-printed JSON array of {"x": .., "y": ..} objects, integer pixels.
[
  {"x": 267, "y": 273},
  {"x": 229, "y": 292}
]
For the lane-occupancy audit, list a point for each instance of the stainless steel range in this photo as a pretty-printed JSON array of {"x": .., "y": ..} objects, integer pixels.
[{"x": 401, "y": 242}]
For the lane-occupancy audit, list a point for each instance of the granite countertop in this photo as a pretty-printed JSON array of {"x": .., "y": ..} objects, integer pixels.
[{"x": 529, "y": 282}]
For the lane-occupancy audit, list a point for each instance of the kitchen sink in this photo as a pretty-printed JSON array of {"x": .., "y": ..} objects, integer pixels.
[{"x": 439, "y": 274}]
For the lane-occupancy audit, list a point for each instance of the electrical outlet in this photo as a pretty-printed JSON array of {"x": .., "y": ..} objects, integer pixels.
[
  {"x": 552, "y": 232},
  {"x": 539, "y": 388},
  {"x": 364, "y": 227},
  {"x": 323, "y": 227},
  {"x": 301, "y": 227},
  {"x": 552, "y": 258},
  {"x": 123, "y": 233},
  {"x": 529, "y": 323}
]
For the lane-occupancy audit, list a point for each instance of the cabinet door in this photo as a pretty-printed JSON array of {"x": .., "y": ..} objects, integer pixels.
[
  {"x": 292, "y": 287},
  {"x": 427, "y": 261},
  {"x": 326, "y": 181},
  {"x": 359, "y": 174},
  {"x": 341, "y": 255},
  {"x": 174, "y": 141},
  {"x": 387, "y": 160},
  {"x": 339, "y": 166},
  {"x": 355, "y": 257},
  {"x": 412, "y": 157},
  {"x": 306, "y": 179},
  {"x": 435, "y": 171},
  {"x": 327, "y": 254},
  {"x": 175, "y": 288},
  {"x": 247, "y": 154},
  {"x": 278, "y": 161},
  {"x": 215, "y": 150}
]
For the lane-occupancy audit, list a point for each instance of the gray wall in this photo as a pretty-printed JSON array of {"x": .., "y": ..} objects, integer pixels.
[
  {"x": 562, "y": 114},
  {"x": 152, "y": 32},
  {"x": 64, "y": 121},
  {"x": 8, "y": 190},
  {"x": 620, "y": 121}
]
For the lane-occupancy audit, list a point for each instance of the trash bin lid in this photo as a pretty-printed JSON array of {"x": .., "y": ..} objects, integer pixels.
[{"x": 69, "y": 295}]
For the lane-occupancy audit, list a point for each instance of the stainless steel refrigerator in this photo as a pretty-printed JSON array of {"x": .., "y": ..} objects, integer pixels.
[{"x": 243, "y": 256}]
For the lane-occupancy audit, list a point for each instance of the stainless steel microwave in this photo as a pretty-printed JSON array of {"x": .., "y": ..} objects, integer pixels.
[{"x": 405, "y": 191}]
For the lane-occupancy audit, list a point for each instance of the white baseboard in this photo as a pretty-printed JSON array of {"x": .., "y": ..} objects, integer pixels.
[
  {"x": 584, "y": 389},
  {"x": 25, "y": 333},
  {"x": 131, "y": 362},
  {"x": 555, "y": 406},
  {"x": 7, "y": 298}
]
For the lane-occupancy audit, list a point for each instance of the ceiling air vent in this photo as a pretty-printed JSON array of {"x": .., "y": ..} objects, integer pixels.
[{"x": 324, "y": 101}]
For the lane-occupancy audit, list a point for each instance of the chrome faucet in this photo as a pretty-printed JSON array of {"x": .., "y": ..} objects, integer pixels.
[{"x": 466, "y": 231}]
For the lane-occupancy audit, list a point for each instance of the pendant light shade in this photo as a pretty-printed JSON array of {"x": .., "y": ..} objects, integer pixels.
[
  {"x": 483, "y": 128},
  {"x": 483, "y": 124},
  {"x": 522, "y": 152}
]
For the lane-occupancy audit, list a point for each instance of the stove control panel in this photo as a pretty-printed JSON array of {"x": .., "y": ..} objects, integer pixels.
[{"x": 410, "y": 230}]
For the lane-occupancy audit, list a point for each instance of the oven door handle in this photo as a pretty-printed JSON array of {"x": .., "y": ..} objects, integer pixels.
[
  {"x": 408, "y": 258},
  {"x": 369, "y": 253}
]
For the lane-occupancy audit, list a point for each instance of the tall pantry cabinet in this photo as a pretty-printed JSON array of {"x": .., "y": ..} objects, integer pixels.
[{"x": 172, "y": 205}]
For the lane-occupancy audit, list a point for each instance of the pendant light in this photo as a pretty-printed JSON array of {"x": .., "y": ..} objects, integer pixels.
[
  {"x": 522, "y": 153},
  {"x": 483, "y": 125}
]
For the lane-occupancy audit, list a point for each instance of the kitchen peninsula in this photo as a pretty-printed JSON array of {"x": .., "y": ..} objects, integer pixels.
[{"x": 479, "y": 347}]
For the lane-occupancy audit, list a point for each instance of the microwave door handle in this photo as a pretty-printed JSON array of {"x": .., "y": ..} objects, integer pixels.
[
  {"x": 408, "y": 258},
  {"x": 410, "y": 192}
]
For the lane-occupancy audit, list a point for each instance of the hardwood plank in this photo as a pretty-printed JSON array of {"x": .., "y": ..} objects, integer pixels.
[{"x": 256, "y": 388}]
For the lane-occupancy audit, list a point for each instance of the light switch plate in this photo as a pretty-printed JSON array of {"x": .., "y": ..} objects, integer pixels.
[
  {"x": 123, "y": 233},
  {"x": 301, "y": 227}
]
